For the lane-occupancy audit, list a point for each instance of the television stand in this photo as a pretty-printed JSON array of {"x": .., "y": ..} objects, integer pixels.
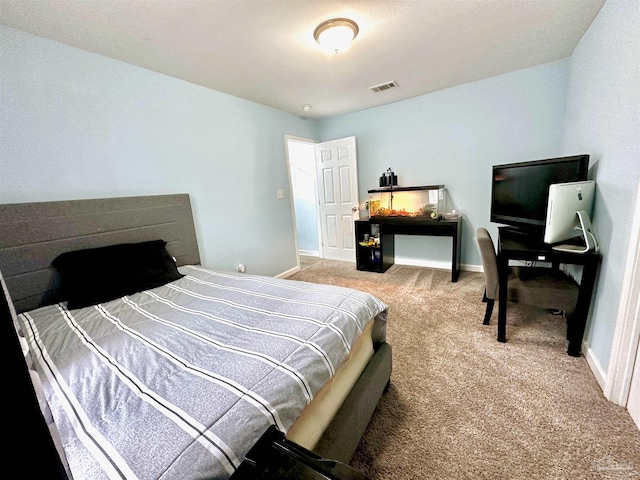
[{"x": 517, "y": 248}]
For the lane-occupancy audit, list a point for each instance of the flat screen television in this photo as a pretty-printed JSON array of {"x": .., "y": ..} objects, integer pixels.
[{"x": 520, "y": 191}]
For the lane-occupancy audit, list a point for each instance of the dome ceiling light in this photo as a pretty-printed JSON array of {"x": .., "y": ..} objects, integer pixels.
[{"x": 336, "y": 35}]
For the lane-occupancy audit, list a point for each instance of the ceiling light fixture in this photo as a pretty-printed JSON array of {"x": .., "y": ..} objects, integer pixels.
[
  {"x": 306, "y": 107},
  {"x": 336, "y": 35}
]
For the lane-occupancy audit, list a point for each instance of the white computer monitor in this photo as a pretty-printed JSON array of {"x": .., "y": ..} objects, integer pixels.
[{"x": 569, "y": 215}]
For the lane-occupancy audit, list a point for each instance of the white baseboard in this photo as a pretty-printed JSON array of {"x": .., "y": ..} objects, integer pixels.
[
  {"x": 594, "y": 365},
  {"x": 403, "y": 261},
  {"x": 309, "y": 253},
  {"x": 418, "y": 262},
  {"x": 472, "y": 268},
  {"x": 289, "y": 272}
]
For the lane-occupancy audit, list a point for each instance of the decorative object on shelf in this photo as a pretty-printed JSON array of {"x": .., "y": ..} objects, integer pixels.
[
  {"x": 452, "y": 215},
  {"x": 388, "y": 178}
]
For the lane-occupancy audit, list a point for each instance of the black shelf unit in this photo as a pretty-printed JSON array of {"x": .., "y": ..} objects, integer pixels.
[{"x": 377, "y": 258}]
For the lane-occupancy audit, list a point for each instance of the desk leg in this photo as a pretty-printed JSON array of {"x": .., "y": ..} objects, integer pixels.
[
  {"x": 503, "y": 277},
  {"x": 455, "y": 254},
  {"x": 577, "y": 321}
]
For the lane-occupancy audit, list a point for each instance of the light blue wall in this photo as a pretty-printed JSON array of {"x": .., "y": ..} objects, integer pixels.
[
  {"x": 78, "y": 125},
  {"x": 453, "y": 137},
  {"x": 603, "y": 118}
]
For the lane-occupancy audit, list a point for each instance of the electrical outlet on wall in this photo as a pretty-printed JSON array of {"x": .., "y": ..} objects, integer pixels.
[{"x": 279, "y": 194}]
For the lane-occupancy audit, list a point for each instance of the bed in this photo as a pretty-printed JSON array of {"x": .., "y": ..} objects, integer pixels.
[{"x": 180, "y": 379}]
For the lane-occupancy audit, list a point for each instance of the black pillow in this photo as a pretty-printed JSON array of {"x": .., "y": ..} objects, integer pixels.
[{"x": 98, "y": 275}]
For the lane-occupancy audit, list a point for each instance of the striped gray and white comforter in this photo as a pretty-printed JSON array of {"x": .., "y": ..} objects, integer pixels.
[{"x": 180, "y": 381}]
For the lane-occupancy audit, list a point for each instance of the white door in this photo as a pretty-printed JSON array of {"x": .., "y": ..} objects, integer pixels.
[
  {"x": 633, "y": 403},
  {"x": 336, "y": 165}
]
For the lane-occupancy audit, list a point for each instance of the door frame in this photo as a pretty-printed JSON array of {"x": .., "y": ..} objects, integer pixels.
[
  {"x": 626, "y": 338},
  {"x": 294, "y": 138}
]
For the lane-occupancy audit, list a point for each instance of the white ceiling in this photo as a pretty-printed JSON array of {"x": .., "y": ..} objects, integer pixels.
[{"x": 264, "y": 51}]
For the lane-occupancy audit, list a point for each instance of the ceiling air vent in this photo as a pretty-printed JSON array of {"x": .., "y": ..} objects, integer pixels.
[{"x": 383, "y": 86}]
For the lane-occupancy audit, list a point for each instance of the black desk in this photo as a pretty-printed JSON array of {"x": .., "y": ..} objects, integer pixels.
[
  {"x": 384, "y": 254},
  {"x": 513, "y": 245}
]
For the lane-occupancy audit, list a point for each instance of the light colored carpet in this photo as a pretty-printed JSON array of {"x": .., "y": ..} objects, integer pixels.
[
  {"x": 463, "y": 406},
  {"x": 308, "y": 260}
]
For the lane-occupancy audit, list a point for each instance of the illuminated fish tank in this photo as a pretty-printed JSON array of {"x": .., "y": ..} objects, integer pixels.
[{"x": 423, "y": 202}]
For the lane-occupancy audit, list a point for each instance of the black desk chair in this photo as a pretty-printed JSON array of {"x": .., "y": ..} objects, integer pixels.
[{"x": 542, "y": 287}]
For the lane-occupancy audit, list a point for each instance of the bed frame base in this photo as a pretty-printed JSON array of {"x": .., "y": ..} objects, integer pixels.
[{"x": 341, "y": 438}]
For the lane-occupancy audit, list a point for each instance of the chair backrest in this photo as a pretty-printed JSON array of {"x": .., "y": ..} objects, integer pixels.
[{"x": 489, "y": 262}]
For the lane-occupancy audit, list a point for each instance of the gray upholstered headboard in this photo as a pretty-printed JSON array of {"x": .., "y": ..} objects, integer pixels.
[{"x": 33, "y": 234}]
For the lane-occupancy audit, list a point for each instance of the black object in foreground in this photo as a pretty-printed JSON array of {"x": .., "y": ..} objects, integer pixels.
[{"x": 273, "y": 457}]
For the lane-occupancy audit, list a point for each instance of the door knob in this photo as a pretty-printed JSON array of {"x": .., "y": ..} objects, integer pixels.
[{"x": 354, "y": 209}]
